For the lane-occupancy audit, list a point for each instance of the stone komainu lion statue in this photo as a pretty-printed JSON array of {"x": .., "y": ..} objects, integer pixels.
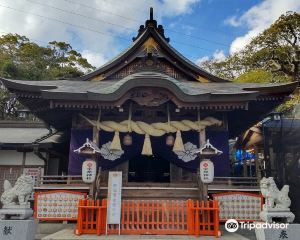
[
  {"x": 274, "y": 199},
  {"x": 19, "y": 194}
]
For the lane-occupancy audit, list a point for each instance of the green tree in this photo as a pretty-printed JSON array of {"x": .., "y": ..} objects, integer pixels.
[
  {"x": 22, "y": 59},
  {"x": 276, "y": 50},
  {"x": 255, "y": 76},
  {"x": 272, "y": 56}
]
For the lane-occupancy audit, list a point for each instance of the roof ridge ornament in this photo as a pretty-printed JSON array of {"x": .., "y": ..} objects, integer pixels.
[
  {"x": 151, "y": 13},
  {"x": 208, "y": 150},
  {"x": 88, "y": 148},
  {"x": 151, "y": 23}
]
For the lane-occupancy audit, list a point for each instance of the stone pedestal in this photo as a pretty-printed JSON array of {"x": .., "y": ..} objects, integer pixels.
[
  {"x": 18, "y": 229},
  {"x": 284, "y": 216},
  {"x": 292, "y": 232},
  {"x": 15, "y": 213}
]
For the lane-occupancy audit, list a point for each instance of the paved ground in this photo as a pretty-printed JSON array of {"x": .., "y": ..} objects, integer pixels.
[{"x": 68, "y": 234}]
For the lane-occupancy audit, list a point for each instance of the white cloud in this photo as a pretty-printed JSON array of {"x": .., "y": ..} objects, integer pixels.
[
  {"x": 187, "y": 29},
  {"x": 258, "y": 18},
  {"x": 219, "y": 55},
  {"x": 232, "y": 21},
  {"x": 201, "y": 60},
  {"x": 105, "y": 42},
  {"x": 177, "y": 7},
  {"x": 94, "y": 58}
]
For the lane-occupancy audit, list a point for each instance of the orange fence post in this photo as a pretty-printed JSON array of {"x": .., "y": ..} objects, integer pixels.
[
  {"x": 91, "y": 218},
  {"x": 79, "y": 219},
  {"x": 216, "y": 222},
  {"x": 189, "y": 217},
  {"x": 203, "y": 218}
]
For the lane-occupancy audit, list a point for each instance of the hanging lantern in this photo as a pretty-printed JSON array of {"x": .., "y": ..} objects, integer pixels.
[
  {"x": 89, "y": 171},
  {"x": 206, "y": 171},
  {"x": 170, "y": 140},
  {"x": 127, "y": 140}
]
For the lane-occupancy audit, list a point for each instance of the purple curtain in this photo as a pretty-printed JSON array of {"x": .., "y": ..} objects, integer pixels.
[
  {"x": 218, "y": 138},
  {"x": 78, "y": 137}
]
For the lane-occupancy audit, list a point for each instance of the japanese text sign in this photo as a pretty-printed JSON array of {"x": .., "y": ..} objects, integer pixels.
[{"x": 114, "y": 197}]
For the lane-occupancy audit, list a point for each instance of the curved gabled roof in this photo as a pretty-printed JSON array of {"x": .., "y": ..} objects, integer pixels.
[
  {"x": 157, "y": 33},
  {"x": 112, "y": 90}
]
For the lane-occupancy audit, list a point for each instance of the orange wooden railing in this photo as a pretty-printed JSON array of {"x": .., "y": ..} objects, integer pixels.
[
  {"x": 204, "y": 218},
  {"x": 91, "y": 217},
  {"x": 151, "y": 217}
]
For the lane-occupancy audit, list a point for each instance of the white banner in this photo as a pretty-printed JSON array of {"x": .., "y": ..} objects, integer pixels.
[{"x": 114, "y": 198}]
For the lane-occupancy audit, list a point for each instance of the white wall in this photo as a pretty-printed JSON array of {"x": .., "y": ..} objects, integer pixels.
[{"x": 12, "y": 157}]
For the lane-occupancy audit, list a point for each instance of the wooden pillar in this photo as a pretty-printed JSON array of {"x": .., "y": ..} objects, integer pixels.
[
  {"x": 257, "y": 164},
  {"x": 95, "y": 135},
  {"x": 23, "y": 161},
  {"x": 93, "y": 189},
  {"x": 203, "y": 188}
]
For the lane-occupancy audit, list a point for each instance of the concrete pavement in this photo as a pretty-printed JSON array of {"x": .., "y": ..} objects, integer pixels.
[{"x": 68, "y": 234}]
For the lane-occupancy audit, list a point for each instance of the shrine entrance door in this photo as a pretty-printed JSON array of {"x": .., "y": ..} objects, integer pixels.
[{"x": 148, "y": 169}]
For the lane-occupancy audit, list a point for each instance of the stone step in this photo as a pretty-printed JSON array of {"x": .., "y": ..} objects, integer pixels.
[
  {"x": 156, "y": 192},
  {"x": 49, "y": 228},
  {"x": 40, "y": 236}
]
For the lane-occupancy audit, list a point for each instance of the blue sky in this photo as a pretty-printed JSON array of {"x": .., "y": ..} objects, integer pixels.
[
  {"x": 100, "y": 29},
  {"x": 207, "y": 21}
]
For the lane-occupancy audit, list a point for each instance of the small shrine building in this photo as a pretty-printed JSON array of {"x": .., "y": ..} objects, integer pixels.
[{"x": 149, "y": 110}]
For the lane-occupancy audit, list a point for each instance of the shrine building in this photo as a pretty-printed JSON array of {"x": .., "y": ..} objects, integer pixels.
[{"x": 148, "y": 112}]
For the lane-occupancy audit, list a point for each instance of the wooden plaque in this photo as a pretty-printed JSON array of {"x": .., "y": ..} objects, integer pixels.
[
  {"x": 57, "y": 205},
  {"x": 241, "y": 206}
]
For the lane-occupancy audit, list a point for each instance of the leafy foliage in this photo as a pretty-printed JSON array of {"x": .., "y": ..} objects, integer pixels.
[
  {"x": 255, "y": 76},
  {"x": 272, "y": 56},
  {"x": 23, "y": 59}
]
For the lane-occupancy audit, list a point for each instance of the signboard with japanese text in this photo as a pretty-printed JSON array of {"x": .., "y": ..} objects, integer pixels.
[
  {"x": 89, "y": 171},
  {"x": 57, "y": 205},
  {"x": 241, "y": 206},
  {"x": 114, "y": 197},
  {"x": 206, "y": 171}
]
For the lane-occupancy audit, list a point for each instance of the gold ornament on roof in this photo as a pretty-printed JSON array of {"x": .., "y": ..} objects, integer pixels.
[
  {"x": 98, "y": 78},
  {"x": 150, "y": 45},
  {"x": 202, "y": 79}
]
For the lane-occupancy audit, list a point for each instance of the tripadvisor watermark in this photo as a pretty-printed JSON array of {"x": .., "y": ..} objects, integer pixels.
[{"x": 233, "y": 225}]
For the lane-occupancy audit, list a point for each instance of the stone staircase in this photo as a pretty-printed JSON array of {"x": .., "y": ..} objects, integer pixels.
[{"x": 158, "y": 191}]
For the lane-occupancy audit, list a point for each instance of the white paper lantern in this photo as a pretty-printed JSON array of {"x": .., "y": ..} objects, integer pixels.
[
  {"x": 89, "y": 171},
  {"x": 207, "y": 171}
]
